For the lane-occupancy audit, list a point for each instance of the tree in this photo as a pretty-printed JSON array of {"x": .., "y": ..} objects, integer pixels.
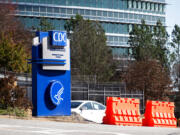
[
  {"x": 10, "y": 25},
  {"x": 12, "y": 95},
  {"x": 176, "y": 55},
  {"x": 150, "y": 71},
  {"x": 160, "y": 38},
  {"x": 89, "y": 52},
  {"x": 141, "y": 42},
  {"x": 44, "y": 25},
  {"x": 12, "y": 55},
  {"x": 148, "y": 44},
  {"x": 150, "y": 77},
  {"x": 176, "y": 41},
  {"x": 15, "y": 41},
  {"x": 71, "y": 25}
]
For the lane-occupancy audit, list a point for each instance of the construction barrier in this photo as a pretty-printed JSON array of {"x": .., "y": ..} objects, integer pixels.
[
  {"x": 122, "y": 111},
  {"x": 159, "y": 114}
]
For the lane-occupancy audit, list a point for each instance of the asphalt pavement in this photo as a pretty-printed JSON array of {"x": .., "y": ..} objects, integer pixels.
[{"x": 35, "y": 127}]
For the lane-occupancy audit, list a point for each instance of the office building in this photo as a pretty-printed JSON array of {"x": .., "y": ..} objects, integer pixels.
[{"x": 117, "y": 17}]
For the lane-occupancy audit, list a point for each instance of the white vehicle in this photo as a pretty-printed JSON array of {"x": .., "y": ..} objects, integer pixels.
[{"x": 89, "y": 110}]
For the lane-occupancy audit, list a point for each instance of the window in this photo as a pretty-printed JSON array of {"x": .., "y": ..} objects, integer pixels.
[
  {"x": 75, "y": 11},
  {"x": 160, "y": 7},
  {"x": 61, "y": 2},
  {"x": 117, "y": 51},
  {"x": 120, "y": 15},
  {"x": 36, "y": 22},
  {"x": 115, "y": 28},
  {"x": 110, "y": 27},
  {"x": 56, "y": 10},
  {"x": 98, "y": 107},
  {"x": 21, "y": 8},
  {"x": 134, "y": 4},
  {"x": 87, "y": 12},
  {"x": 130, "y": 4},
  {"x": 93, "y": 3},
  {"x": 93, "y": 12},
  {"x": 149, "y": 18},
  {"x": 116, "y": 39},
  {"x": 143, "y": 5},
  {"x": 152, "y": 6},
  {"x": 163, "y": 8},
  {"x": 139, "y": 4},
  {"x": 99, "y": 13},
  {"x": 56, "y": 24},
  {"x": 148, "y": 6},
  {"x": 121, "y": 39},
  {"x": 75, "y": 104},
  {"x": 135, "y": 16},
  {"x": 156, "y": 7},
  {"x": 104, "y": 26},
  {"x": 82, "y": 11},
  {"x": 29, "y": 8},
  {"x": 87, "y": 106},
  {"x": 26, "y": 1},
  {"x": 125, "y": 15},
  {"x": 115, "y": 14},
  {"x": 49, "y": 10},
  {"x": 99, "y": 3},
  {"x": 36, "y": 9},
  {"x": 140, "y": 17},
  {"x": 63, "y": 10},
  {"x": 62, "y": 23},
  {"x": 104, "y": 13},
  {"x": 110, "y": 14},
  {"x": 130, "y": 27},
  {"x": 69, "y": 11},
  {"x": 42, "y": 9},
  {"x": 35, "y": 1},
  {"x": 130, "y": 16},
  {"x": 111, "y": 38}
]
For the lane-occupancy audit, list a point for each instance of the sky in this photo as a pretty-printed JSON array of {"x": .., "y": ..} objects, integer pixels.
[{"x": 172, "y": 14}]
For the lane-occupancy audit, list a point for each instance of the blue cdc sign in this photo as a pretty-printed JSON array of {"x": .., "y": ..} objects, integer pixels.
[
  {"x": 51, "y": 74},
  {"x": 58, "y": 38}
]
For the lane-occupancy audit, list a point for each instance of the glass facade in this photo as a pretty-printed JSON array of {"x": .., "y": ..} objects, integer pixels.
[{"x": 117, "y": 17}]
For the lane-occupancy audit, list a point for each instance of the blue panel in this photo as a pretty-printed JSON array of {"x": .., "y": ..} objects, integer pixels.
[
  {"x": 58, "y": 38},
  {"x": 41, "y": 35},
  {"x": 45, "y": 106}
]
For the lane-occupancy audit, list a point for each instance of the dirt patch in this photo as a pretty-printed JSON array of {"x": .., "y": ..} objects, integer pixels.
[{"x": 74, "y": 118}]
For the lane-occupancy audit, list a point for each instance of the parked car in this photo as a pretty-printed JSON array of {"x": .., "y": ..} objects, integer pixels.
[{"x": 89, "y": 110}]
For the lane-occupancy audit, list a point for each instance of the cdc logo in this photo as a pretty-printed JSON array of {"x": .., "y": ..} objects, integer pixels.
[
  {"x": 58, "y": 38},
  {"x": 56, "y": 91}
]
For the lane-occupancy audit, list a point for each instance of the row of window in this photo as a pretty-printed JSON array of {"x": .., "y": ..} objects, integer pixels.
[
  {"x": 34, "y": 22},
  {"x": 117, "y": 16},
  {"x": 110, "y": 4},
  {"x": 120, "y": 51},
  {"x": 162, "y": 1},
  {"x": 117, "y": 28},
  {"x": 134, "y": 4},
  {"x": 117, "y": 41}
]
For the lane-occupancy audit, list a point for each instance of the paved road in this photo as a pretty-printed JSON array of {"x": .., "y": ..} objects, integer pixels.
[{"x": 34, "y": 127}]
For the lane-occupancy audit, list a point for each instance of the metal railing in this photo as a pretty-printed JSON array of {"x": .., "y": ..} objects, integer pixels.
[{"x": 85, "y": 88}]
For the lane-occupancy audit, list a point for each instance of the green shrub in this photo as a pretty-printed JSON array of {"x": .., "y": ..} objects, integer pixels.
[
  {"x": 3, "y": 112},
  {"x": 16, "y": 112}
]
